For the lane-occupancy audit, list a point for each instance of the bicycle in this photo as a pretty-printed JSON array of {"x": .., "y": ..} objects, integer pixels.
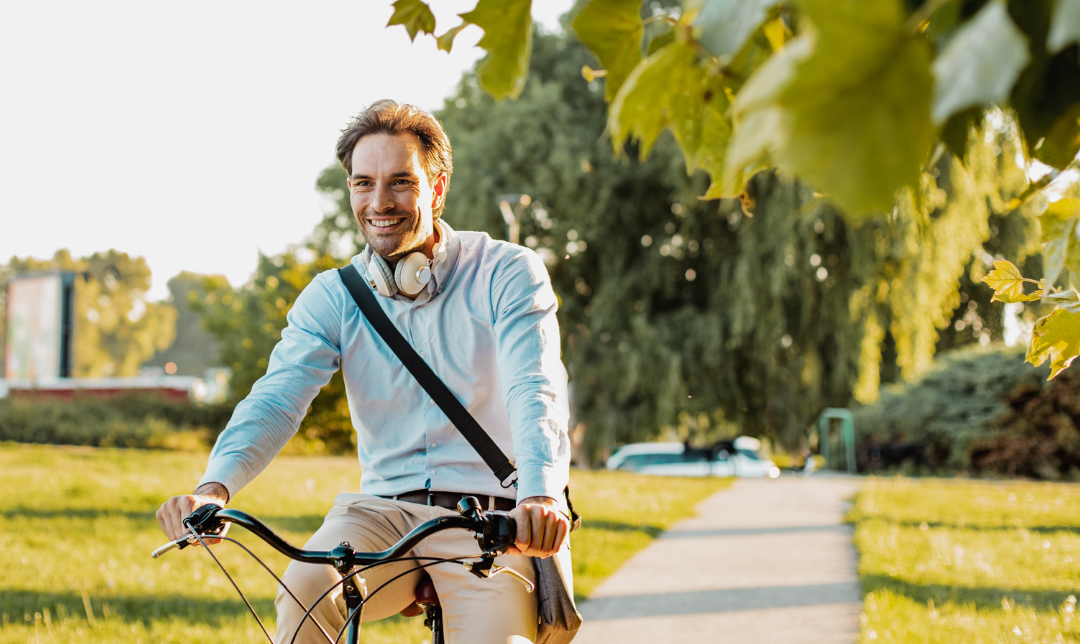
[{"x": 494, "y": 531}]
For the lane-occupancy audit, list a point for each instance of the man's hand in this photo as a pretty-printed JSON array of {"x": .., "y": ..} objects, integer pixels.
[
  {"x": 172, "y": 513},
  {"x": 541, "y": 527}
]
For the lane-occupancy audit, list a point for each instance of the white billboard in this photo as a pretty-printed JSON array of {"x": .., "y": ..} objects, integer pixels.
[{"x": 33, "y": 343}]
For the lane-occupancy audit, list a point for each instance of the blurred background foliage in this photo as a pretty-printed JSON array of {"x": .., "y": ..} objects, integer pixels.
[
  {"x": 681, "y": 318},
  {"x": 693, "y": 320},
  {"x": 116, "y": 329}
]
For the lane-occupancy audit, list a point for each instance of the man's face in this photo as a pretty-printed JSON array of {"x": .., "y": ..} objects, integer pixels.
[{"x": 392, "y": 197}]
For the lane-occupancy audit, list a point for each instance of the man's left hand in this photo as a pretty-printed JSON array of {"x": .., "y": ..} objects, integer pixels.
[{"x": 541, "y": 527}]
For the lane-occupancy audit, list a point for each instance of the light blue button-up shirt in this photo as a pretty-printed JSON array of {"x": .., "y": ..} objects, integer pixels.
[{"x": 485, "y": 324}]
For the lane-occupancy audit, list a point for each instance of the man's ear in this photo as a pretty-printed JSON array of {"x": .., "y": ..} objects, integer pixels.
[{"x": 439, "y": 190}]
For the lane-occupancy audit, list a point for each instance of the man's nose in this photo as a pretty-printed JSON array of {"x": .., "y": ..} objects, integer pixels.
[{"x": 384, "y": 199}]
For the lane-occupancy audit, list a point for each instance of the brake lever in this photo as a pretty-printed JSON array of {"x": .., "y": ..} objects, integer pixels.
[
  {"x": 203, "y": 522},
  {"x": 180, "y": 543},
  {"x": 486, "y": 569}
]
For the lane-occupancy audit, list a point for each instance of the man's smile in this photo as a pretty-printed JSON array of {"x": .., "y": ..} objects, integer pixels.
[{"x": 388, "y": 222}]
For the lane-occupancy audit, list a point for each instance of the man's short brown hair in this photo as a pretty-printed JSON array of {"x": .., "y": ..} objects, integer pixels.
[{"x": 388, "y": 117}]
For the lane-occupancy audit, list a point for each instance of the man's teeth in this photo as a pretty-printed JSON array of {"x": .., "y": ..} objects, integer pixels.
[{"x": 386, "y": 223}]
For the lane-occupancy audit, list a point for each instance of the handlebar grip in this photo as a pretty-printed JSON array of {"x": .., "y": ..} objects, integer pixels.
[{"x": 500, "y": 531}]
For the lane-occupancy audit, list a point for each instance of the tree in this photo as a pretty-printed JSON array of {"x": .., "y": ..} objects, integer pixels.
[
  {"x": 686, "y": 317},
  {"x": 116, "y": 329},
  {"x": 856, "y": 97},
  {"x": 247, "y": 322},
  {"x": 194, "y": 350}
]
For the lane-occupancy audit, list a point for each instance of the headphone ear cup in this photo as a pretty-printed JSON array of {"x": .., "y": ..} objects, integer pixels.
[
  {"x": 412, "y": 273},
  {"x": 381, "y": 277}
]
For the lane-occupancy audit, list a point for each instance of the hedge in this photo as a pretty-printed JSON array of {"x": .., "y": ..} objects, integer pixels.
[
  {"x": 132, "y": 420},
  {"x": 977, "y": 412}
]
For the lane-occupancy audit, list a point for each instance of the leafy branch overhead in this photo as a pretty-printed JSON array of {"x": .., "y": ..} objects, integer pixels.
[
  {"x": 1055, "y": 337},
  {"x": 853, "y": 96},
  {"x": 1008, "y": 284},
  {"x": 857, "y": 98}
]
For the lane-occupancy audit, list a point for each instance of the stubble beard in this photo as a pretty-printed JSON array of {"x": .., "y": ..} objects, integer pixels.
[{"x": 396, "y": 245}]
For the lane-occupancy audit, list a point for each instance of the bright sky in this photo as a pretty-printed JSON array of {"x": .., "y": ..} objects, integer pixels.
[{"x": 192, "y": 133}]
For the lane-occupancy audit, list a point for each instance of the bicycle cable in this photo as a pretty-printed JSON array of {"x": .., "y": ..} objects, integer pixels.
[
  {"x": 307, "y": 611},
  {"x": 384, "y": 585},
  {"x": 229, "y": 577},
  {"x": 280, "y": 583},
  {"x": 432, "y": 561}
]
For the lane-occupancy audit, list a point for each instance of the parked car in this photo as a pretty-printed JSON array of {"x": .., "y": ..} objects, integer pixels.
[{"x": 725, "y": 458}]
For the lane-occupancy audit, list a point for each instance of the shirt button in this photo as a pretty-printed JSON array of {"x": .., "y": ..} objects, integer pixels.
[
  {"x": 431, "y": 402},
  {"x": 433, "y": 472},
  {"x": 434, "y": 444},
  {"x": 423, "y": 354}
]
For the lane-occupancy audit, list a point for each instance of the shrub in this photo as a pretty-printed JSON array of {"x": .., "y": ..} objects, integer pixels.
[
  {"x": 132, "y": 420},
  {"x": 980, "y": 412}
]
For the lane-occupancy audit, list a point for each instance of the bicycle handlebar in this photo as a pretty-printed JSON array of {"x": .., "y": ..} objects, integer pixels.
[{"x": 495, "y": 532}]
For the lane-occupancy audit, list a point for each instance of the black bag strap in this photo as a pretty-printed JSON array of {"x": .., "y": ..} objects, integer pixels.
[{"x": 443, "y": 397}]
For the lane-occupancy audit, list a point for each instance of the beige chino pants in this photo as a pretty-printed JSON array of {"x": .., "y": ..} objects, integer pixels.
[{"x": 497, "y": 610}]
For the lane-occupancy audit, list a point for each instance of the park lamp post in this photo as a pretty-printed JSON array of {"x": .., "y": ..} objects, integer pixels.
[{"x": 506, "y": 207}]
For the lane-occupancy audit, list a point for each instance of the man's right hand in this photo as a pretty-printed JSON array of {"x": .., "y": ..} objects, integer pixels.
[{"x": 172, "y": 513}]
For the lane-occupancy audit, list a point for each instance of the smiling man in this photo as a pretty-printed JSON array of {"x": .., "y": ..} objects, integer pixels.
[{"x": 481, "y": 313}]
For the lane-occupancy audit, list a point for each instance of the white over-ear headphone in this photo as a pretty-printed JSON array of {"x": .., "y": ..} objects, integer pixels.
[{"x": 412, "y": 273}]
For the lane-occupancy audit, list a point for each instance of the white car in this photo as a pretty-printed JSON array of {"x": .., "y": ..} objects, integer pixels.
[{"x": 726, "y": 458}]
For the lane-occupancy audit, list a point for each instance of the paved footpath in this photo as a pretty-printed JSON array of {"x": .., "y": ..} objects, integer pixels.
[{"x": 765, "y": 561}]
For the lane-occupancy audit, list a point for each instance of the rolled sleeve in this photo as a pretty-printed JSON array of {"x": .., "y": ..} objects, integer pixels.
[
  {"x": 301, "y": 364},
  {"x": 532, "y": 375}
]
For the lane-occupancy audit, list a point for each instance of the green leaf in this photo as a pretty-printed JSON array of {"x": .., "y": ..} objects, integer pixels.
[
  {"x": 612, "y": 30},
  {"x": 760, "y": 125},
  {"x": 1059, "y": 236},
  {"x": 662, "y": 39},
  {"x": 415, "y": 15},
  {"x": 1064, "y": 25},
  {"x": 1059, "y": 147},
  {"x": 723, "y": 26},
  {"x": 980, "y": 64},
  {"x": 1008, "y": 284},
  {"x": 1049, "y": 87},
  {"x": 671, "y": 90},
  {"x": 957, "y": 130},
  {"x": 507, "y": 26},
  {"x": 1057, "y": 337},
  {"x": 857, "y": 110},
  {"x": 1068, "y": 296},
  {"x": 446, "y": 41}
]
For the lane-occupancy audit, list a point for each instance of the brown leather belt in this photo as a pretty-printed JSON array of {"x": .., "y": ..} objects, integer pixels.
[{"x": 450, "y": 499}]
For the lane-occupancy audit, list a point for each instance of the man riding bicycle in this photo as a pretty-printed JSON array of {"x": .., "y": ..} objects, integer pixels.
[{"x": 481, "y": 313}]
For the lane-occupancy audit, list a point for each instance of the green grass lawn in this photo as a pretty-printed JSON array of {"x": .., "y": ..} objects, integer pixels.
[
  {"x": 966, "y": 561},
  {"x": 77, "y": 526}
]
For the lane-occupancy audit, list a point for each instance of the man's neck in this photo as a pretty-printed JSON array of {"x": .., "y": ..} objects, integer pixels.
[{"x": 427, "y": 248}]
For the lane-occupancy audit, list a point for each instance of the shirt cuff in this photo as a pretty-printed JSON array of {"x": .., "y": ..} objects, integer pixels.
[
  {"x": 549, "y": 481},
  {"x": 230, "y": 477}
]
